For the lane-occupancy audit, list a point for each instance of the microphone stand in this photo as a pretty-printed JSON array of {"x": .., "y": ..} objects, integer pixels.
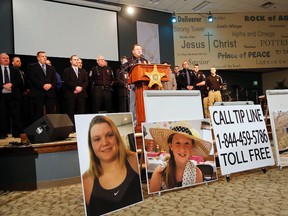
[{"x": 128, "y": 65}]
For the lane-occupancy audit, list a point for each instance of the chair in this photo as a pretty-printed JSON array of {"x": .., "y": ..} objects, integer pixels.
[
  {"x": 197, "y": 158},
  {"x": 207, "y": 171},
  {"x": 131, "y": 140}
]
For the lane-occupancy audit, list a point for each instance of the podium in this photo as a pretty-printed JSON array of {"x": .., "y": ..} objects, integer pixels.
[{"x": 138, "y": 76}]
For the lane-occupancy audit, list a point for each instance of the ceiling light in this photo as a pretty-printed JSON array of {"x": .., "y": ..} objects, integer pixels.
[
  {"x": 210, "y": 17},
  {"x": 201, "y": 6},
  {"x": 130, "y": 10},
  {"x": 173, "y": 18}
]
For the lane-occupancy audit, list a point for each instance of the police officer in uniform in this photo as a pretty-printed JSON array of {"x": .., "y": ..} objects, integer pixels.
[
  {"x": 136, "y": 58},
  {"x": 101, "y": 77},
  {"x": 200, "y": 80},
  {"x": 214, "y": 84}
]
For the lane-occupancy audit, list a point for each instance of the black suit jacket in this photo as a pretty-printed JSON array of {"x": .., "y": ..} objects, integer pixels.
[
  {"x": 132, "y": 61},
  {"x": 37, "y": 80},
  {"x": 182, "y": 79},
  {"x": 15, "y": 79},
  {"x": 121, "y": 78},
  {"x": 70, "y": 81}
]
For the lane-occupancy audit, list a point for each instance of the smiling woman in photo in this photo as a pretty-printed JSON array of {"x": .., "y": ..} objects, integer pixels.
[
  {"x": 181, "y": 141},
  {"x": 112, "y": 180}
]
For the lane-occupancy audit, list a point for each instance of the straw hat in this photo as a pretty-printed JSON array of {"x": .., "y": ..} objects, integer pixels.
[{"x": 161, "y": 135}]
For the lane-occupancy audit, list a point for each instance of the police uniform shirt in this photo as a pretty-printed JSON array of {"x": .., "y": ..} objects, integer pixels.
[
  {"x": 102, "y": 76},
  {"x": 214, "y": 82}
]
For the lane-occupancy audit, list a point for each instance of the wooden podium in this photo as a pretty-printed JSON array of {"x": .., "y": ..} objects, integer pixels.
[{"x": 138, "y": 76}]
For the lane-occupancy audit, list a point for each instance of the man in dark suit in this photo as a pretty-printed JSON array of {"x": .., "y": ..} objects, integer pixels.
[
  {"x": 24, "y": 88},
  {"x": 123, "y": 87},
  {"x": 75, "y": 82},
  {"x": 10, "y": 98},
  {"x": 43, "y": 81},
  {"x": 186, "y": 78}
]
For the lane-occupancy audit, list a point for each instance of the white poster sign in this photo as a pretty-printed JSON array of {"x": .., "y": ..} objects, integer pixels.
[
  {"x": 241, "y": 138},
  {"x": 278, "y": 103},
  {"x": 183, "y": 147},
  {"x": 100, "y": 139}
]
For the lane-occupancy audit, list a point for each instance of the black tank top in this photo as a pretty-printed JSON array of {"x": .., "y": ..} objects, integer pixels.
[{"x": 128, "y": 192}]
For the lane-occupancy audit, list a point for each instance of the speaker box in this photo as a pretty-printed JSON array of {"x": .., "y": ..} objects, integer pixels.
[{"x": 51, "y": 127}]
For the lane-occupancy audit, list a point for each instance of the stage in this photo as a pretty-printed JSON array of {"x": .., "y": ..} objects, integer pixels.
[{"x": 41, "y": 165}]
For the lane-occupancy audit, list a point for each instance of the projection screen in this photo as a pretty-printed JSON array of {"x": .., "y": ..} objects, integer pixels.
[{"x": 62, "y": 30}]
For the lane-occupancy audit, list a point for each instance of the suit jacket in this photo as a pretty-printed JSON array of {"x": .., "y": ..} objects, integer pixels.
[
  {"x": 70, "y": 81},
  {"x": 37, "y": 80},
  {"x": 182, "y": 79},
  {"x": 121, "y": 78},
  {"x": 132, "y": 61},
  {"x": 171, "y": 84},
  {"x": 25, "y": 82},
  {"x": 15, "y": 79}
]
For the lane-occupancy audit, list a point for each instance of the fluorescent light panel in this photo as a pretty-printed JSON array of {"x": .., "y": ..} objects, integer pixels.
[
  {"x": 201, "y": 6},
  {"x": 267, "y": 4},
  {"x": 91, "y": 4},
  {"x": 154, "y": 1}
]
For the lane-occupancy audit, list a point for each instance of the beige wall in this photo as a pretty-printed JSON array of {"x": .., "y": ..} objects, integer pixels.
[
  {"x": 270, "y": 79},
  {"x": 232, "y": 41}
]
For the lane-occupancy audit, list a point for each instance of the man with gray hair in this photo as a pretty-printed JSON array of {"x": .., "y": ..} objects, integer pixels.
[
  {"x": 102, "y": 79},
  {"x": 10, "y": 98}
]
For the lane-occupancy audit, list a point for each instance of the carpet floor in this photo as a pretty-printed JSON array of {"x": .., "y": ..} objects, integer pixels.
[{"x": 247, "y": 193}]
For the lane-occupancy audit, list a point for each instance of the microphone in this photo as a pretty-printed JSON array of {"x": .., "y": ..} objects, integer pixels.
[
  {"x": 144, "y": 59},
  {"x": 132, "y": 64},
  {"x": 127, "y": 65}
]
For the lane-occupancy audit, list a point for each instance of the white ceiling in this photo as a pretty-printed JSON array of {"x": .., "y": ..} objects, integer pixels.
[{"x": 215, "y": 6}]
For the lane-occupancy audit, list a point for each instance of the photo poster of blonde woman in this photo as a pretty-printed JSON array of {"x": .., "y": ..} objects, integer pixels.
[
  {"x": 109, "y": 165},
  {"x": 178, "y": 154},
  {"x": 281, "y": 131}
]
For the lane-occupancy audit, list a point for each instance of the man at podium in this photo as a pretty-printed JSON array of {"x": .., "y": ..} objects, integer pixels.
[{"x": 137, "y": 58}]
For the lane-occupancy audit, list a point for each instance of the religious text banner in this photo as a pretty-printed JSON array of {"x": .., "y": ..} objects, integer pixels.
[{"x": 232, "y": 41}]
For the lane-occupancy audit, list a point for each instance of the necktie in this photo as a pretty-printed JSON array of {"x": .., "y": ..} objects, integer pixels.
[
  {"x": 6, "y": 76},
  {"x": 76, "y": 72},
  {"x": 22, "y": 77},
  {"x": 44, "y": 69},
  {"x": 188, "y": 77},
  {"x": 139, "y": 60}
]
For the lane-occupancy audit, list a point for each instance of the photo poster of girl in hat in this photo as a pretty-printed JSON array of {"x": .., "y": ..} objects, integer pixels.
[
  {"x": 109, "y": 165},
  {"x": 178, "y": 154}
]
